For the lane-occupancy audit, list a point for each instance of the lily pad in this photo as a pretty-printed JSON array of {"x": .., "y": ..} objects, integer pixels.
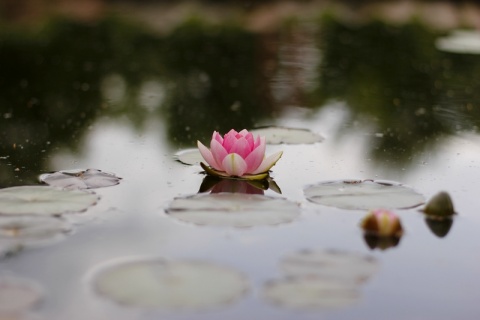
[
  {"x": 363, "y": 195},
  {"x": 44, "y": 200},
  {"x": 335, "y": 265},
  {"x": 189, "y": 156},
  {"x": 310, "y": 293},
  {"x": 31, "y": 228},
  {"x": 233, "y": 210},
  {"x": 80, "y": 179},
  {"x": 279, "y": 135},
  {"x": 18, "y": 295},
  {"x": 461, "y": 42},
  {"x": 171, "y": 285}
]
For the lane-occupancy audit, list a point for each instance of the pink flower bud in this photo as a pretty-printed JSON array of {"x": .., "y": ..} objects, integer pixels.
[{"x": 382, "y": 223}]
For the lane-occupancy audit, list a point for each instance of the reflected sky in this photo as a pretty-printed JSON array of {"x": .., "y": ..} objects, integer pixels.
[{"x": 132, "y": 125}]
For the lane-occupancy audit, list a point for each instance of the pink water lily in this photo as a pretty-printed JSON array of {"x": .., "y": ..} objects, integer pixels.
[{"x": 237, "y": 154}]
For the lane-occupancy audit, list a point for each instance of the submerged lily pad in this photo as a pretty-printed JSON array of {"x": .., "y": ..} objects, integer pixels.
[
  {"x": 279, "y": 135},
  {"x": 335, "y": 265},
  {"x": 80, "y": 179},
  {"x": 18, "y": 295},
  {"x": 31, "y": 228},
  {"x": 156, "y": 283},
  {"x": 310, "y": 292},
  {"x": 189, "y": 156},
  {"x": 363, "y": 195},
  {"x": 233, "y": 209},
  {"x": 44, "y": 200}
]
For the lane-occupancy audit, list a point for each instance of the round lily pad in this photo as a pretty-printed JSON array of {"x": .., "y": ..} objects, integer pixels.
[
  {"x": 233, "y": 210},
  {"x": 44, "y": 200},
  {"x": 80, "y": 179},
  {"x": 18, "y": 295},
  {"x": 335, "y": 265},
  {"x": 279, "y": 135},
  {"x": 172, "y": 285},
  {"x": 31, "y": 227},
  {"x": 310, "y": 293},
  {"x": 189, "y": 156},
  {"x": 363, "y": 195}
]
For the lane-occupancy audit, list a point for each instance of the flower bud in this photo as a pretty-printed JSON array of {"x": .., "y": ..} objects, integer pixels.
[
  {"x": 382, "y": 223},
  {"x": 440, "y": 206}
]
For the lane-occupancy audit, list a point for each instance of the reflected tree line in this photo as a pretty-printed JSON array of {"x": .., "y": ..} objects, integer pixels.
[{"x": 58, "y": 81}]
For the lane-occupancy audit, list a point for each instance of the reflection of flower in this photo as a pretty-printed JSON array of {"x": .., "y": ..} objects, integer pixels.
[
  {"x": 382, "y": 229},
  {"x": 439, "y": 227},
  {"x": 237, "y": 154},
  {"x": 219, "y": 185}
]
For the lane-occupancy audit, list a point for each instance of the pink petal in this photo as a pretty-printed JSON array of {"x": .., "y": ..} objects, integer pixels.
[
  {"x": 259, "y": 141},
  {"x": 207, "y": 155},
  {"x": 241, "y": 147},
  {"x": 244, "y": 132},
  {"x": 229, "y": 140},
  {"x": 217, "y": 136},
  {"x": 250, "y": 140},
  {"x": 254, "y": 159},
  {"x": 234, "y": 165},
  {"x": 218, "y": 152},
  {"x": 267, "y": 163}
]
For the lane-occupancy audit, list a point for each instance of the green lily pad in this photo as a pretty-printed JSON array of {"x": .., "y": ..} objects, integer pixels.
[
  {"x": 18, "y": 295},
  {"x": 363, "y": 195},
  {"x": 279, "y": 135},
  {"x": 310, "y": 293},
  {"x": 189, "y": 156},
  {"x": 80, "y": 179},
  {"x": 44, "y": 200},
  {"x": 171, "y": 285},
  {"x": 335, "y": 265},
  {"x": 233, "y": 210}
]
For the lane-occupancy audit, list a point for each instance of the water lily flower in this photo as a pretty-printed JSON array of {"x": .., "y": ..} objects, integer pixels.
[
  {"x": 382, "y": 223},
  {"x": 237, "y": 155}
]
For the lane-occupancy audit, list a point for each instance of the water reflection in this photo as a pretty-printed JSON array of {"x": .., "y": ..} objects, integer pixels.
[
  {"x": 411, "y": 93},
  {"x": 382, "y": 243},
  {"x": 218, "y": 185},
  {"x": 439, "y": 227},
  {"x": 201, "y": 77}
]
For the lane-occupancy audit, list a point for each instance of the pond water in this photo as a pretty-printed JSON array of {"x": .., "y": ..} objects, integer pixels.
[{"x": 389, "y": 102}]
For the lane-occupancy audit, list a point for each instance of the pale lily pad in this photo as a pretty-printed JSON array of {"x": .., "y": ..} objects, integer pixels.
[
  {"x": 461, "y": 42},
  {"x": 279, "y": 135},
  {"x": 363, "y": 195},
  {"x": 335, "y": 265},
  {"x": 171, "y": 285},
  {"x": 18, "y": 295},
  {"x": 189, "y": 156},
  {"x": 310, "y": 293},
  {"x": 31, "y": 228},
  {"x": 44, "y": 200},
  {"x": 233, "y": 210},
  {"x": 80, "y": 179}
]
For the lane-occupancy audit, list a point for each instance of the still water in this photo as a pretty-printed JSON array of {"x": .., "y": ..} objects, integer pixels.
[{"x": 389, "y": 104}]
